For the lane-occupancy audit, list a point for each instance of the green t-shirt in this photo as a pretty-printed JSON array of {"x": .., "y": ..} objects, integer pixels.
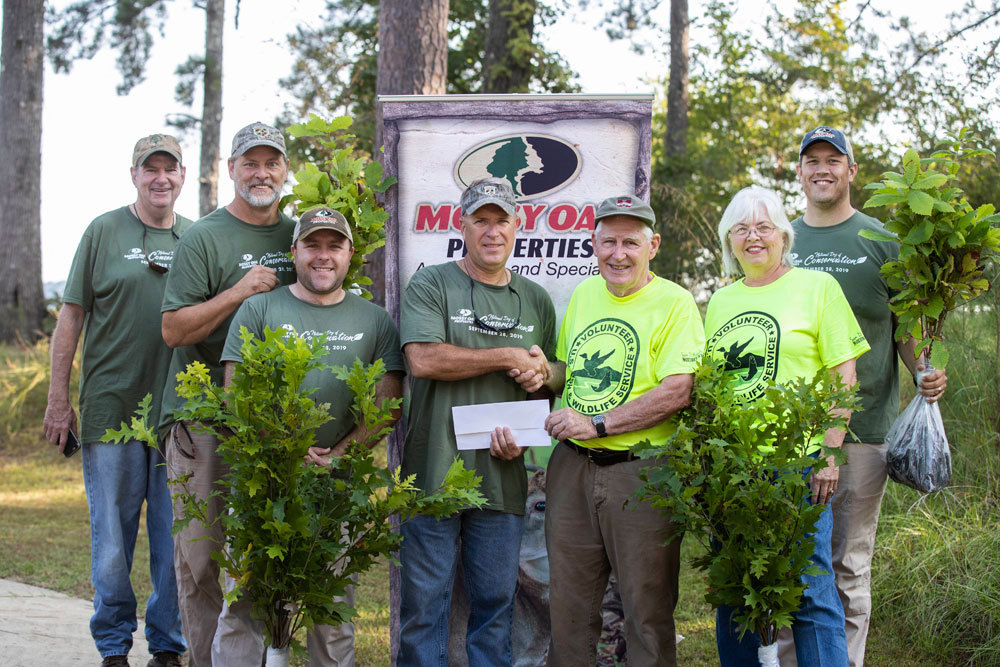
[
  {"x": 788, "y": 329},
  {"x": 354, "y": 328},
  {"x": 855, "y": 262},
  {"x": 618, "y": 348},
  {"x": 214, "y": 257},
  {"x": 437, "y": 308},
  {"x": 124, "y": 356}
]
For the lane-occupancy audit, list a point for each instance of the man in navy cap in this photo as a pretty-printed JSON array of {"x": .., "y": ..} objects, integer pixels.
[{"x": 826, "y": 238}]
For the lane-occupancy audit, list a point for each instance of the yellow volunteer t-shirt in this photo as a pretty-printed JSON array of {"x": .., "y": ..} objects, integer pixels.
[
  {"x": 789, "y": 329},
  {"x": 617, "y": 349}
]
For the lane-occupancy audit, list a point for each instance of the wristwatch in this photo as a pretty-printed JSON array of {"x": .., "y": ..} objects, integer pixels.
[{"x": 598, "y": 422}]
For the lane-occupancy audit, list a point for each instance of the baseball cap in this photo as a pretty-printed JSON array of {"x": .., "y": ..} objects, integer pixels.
[
  {"x": 321, "y": 218},
  {"x": 489, "y": 191},
  {"x": 835, "y": 138},
  {"x": 156, "y": 143},
  {"x": 625, "y": 205},
  {"x": 257, "y": 134}
]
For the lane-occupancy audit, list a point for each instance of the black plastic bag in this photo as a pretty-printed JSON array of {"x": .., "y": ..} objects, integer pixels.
[{"x": 918, "y": 453}]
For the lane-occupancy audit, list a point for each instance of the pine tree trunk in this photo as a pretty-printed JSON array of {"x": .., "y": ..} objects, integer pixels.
[
  {"x": 412, "y": 60},
  {"x": 508, "y": 48},
  {"x": 22, "y": 64},
  {"x": 677, "y": 92},
  {"x": 211, "y": 115}
]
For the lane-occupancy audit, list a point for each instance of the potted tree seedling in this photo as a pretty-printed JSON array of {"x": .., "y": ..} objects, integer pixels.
[
  {"x": 944, "y": 247},
  {"x": 295, "y": 534},
  {"x": 731, "y": 477}
]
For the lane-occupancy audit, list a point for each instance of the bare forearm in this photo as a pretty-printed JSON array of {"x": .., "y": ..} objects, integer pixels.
[
  {"x": 558, "y": 379},
  {"x": 65, "y": 338},
  {"x": 193, "y": 324},
  {"x": 653, "y": 407},
  {"x": 907, "y": 352},
  {"x": 443, "y": 361}
]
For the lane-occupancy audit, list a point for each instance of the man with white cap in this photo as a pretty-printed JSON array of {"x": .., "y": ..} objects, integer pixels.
[
  {"x": 115, "y": 286},
  {"x": 232, "y": 253},
  {"x": 464, "y": 326},
  {"x": 316, "y": 304}
]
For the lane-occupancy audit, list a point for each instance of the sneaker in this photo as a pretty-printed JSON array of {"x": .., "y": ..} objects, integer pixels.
[
  {"x": 165, "y": 659},
  {"x": 115, "y": 661}
]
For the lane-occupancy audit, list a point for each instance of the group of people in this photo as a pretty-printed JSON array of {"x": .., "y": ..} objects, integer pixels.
[{"x": 619, "y": 364}]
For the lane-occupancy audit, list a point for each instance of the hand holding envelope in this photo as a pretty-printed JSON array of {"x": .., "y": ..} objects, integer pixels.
[{"x": 475, "y": 424}]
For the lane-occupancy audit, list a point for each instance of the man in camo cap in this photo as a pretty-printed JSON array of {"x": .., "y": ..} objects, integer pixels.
[
  {"x": 231, "y": 254},
  {"x": 114, "y": 287}
]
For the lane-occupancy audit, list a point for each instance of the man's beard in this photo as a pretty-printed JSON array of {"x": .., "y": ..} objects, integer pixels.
[{"x": 258, "y": 201}]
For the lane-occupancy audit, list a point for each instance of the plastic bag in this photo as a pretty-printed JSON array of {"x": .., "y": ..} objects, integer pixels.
[
  {"x": 767, "y": 656},
  {"x": 918, "y": 453}
]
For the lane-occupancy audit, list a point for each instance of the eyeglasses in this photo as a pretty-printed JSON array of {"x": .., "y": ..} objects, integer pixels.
[
  {"x": 763, "y": 230},
  {"x": 482, "y": 325},
  {"x": 156, "y": 268}
]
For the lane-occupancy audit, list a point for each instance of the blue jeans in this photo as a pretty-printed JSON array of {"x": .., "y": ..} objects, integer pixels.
[
  {"x": 118, "y": 478},
  {"x": 818, "y": 627},
  {"x": 491, "y": 543}
]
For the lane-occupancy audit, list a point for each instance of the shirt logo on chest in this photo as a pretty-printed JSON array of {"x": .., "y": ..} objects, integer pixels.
[
  {"x": 747, "y": 348},
  {"x": 602, "y": 364}
]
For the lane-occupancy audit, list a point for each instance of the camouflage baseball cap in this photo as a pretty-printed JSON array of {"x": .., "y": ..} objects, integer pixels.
[
  {"x": 321, "y": 218},
  {"x": 626, "y": 205},
  {"x": 257, "y": 134},
  {"x": 156, "y": 143},
  {"x": 489, "y": 191}
]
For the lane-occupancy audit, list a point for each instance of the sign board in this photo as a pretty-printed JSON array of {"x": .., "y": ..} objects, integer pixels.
[{"x": 562, "y": 155}]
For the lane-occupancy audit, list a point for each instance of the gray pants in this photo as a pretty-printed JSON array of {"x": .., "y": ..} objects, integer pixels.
[{"x": 192, "y": 451}]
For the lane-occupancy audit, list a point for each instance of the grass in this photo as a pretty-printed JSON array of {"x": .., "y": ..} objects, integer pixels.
[{"x": 936, "y": 582}]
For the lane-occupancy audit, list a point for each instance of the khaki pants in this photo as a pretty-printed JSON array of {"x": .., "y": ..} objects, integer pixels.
[
  {"x": 239, "y": 639},
  {"x": 589, "y": 534},
  {"x": 856, "y": 507},
  {"x": 192, "y": 451}
]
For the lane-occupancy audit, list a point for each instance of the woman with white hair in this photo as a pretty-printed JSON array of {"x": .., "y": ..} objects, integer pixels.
[{"x": 777, "y": 323}]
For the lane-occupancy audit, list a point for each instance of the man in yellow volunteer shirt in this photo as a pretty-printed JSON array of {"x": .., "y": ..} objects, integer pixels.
[{"x": 628, "y": 344}]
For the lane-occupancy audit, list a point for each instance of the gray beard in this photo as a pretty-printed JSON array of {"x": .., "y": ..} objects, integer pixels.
[{"x": 257, "y": 201}]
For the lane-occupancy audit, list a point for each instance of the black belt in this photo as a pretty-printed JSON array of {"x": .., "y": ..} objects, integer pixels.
[{"x": 601, "y": 457}]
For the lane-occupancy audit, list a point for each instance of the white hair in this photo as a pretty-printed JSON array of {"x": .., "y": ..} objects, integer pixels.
[
  {"x": 646, "y": 229},
  {"x": 745, "y": 208}
]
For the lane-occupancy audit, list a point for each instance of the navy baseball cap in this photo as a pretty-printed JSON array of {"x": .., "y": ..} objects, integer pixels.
[{"x": 835, "y": 138}]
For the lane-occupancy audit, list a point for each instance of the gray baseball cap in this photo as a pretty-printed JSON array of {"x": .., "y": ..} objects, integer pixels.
[
  {"x": 489, "y": 191},
  {"x": 321, "y": 218},
  {"x": 257, "y": 134},
  {"x": 626, "y": 205}
]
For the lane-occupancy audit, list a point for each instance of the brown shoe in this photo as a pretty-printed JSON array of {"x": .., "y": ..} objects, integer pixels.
[
  {"x": 165, "y": 659},
  {"x": 115, "y": 661}
]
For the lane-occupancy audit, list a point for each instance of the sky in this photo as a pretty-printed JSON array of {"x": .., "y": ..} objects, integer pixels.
[{"x": 88, "y": 131}]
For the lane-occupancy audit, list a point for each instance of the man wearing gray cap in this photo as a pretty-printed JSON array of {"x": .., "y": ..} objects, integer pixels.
[
  {"x": 628, "y": 346},
  {"x": 826, "y": 239},
  {"x": 232, "y": 253},
  {"x": 465, "y": 326},
  {"x": 114, "y": 287},
  {"x": 316, "y": 304}
]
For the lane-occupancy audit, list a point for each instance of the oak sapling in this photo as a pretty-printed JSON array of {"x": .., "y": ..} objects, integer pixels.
[
  {"x": 733, "y": 477},
  {"x": 296, "y": 533}
]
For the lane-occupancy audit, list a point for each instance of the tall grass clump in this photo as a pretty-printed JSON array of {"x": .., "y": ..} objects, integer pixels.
[
  {"x": 936, "y": 571},
  {"x": 24, "y": 386}
]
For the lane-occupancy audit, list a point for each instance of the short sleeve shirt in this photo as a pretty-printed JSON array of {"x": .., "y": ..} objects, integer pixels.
[
  {"x": 618, "y": 348},
  {"x": 854, "y": 262},
  {"x": 437, "y": 307},
  {"x": 215, "y": 257},
  {"x": 124, "y": 356},
  {"x": 789, "y": 329},
  {"x": 354, "y": 329}
]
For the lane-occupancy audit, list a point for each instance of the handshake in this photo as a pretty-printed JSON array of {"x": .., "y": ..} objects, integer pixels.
[{"x": 529, "y": 368}]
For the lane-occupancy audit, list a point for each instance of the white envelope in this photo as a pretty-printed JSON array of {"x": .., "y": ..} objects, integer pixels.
[{"x": 526, "y": 420}]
